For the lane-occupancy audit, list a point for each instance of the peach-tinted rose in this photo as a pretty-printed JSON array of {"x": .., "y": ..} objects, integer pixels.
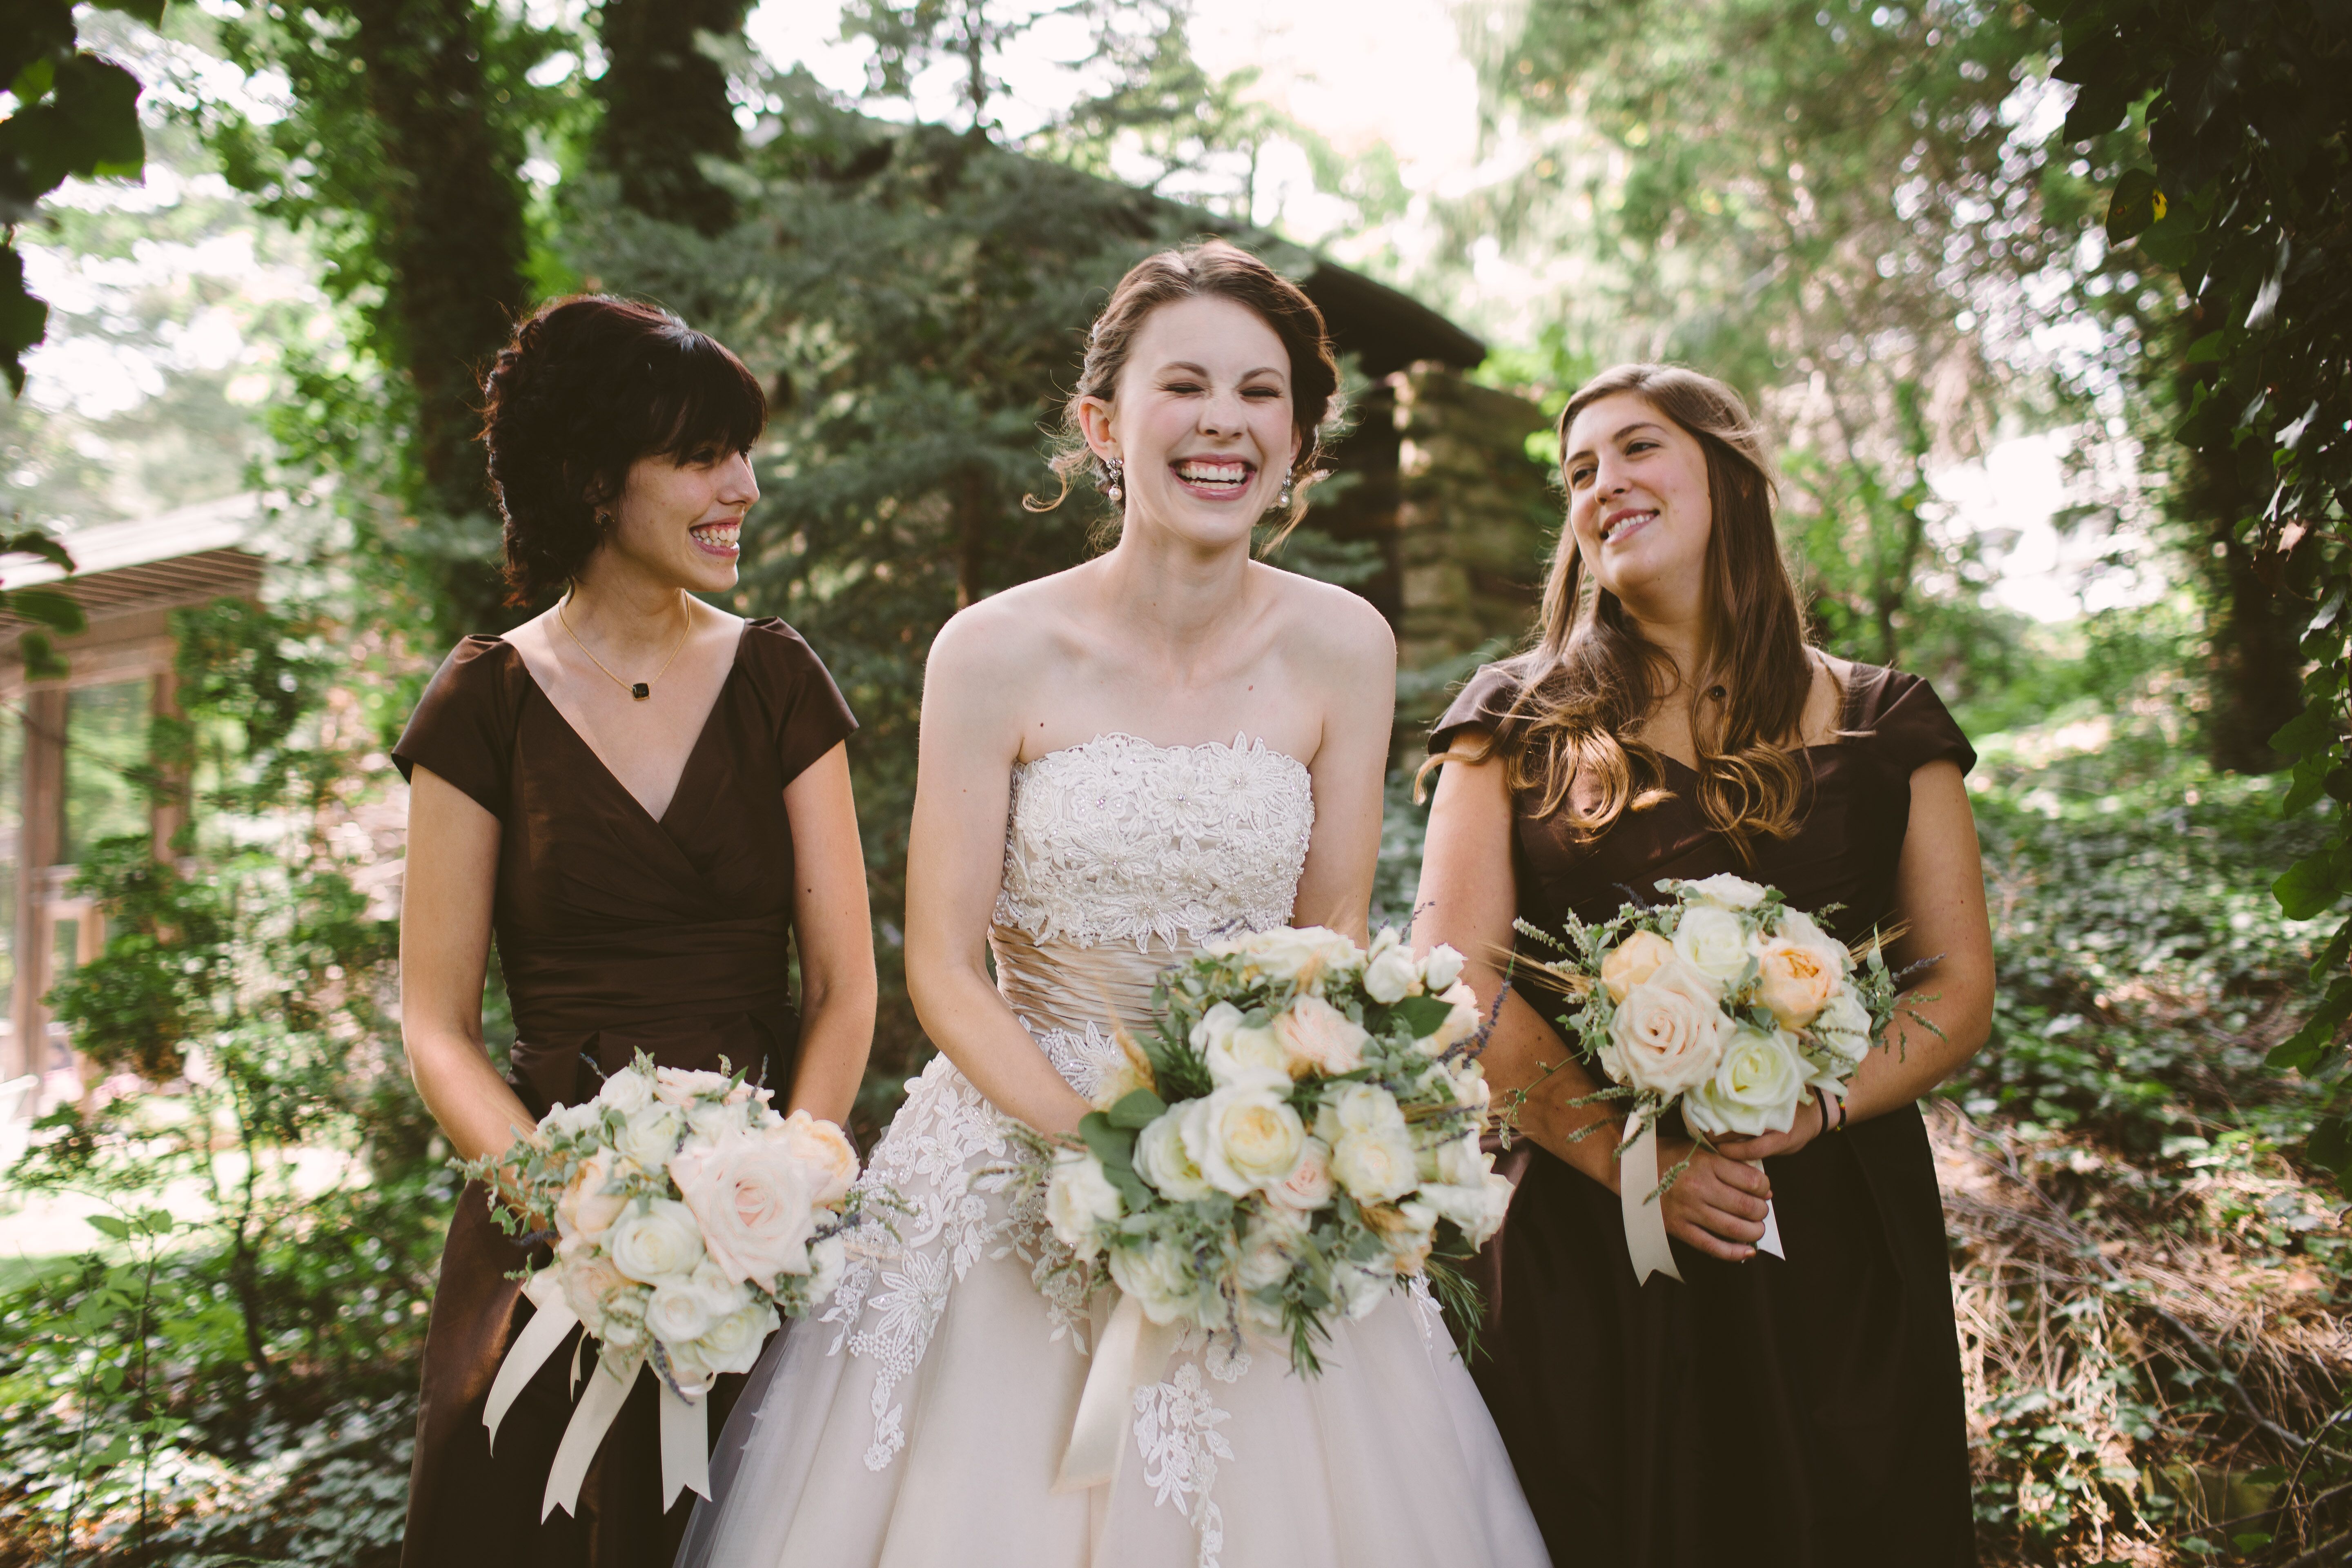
[
  {"x": 1632, "y": 961},
  {"x": 825, "y": 1150},
  {"x": 750, "y": 1195},
  {"x": 1669, "y": 1033},
  {"x": 1319, "y": 1038},
  {"x": 586, "y": 1209},
  {"x": 1794, "y": 982},
  {"x": 1309, "y": 1186}
]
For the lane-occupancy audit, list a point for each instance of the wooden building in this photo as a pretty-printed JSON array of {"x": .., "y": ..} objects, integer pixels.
[{"x": 65, "y": 745}]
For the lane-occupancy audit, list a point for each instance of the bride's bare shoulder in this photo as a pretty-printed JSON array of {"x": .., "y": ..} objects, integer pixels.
[
  {"x": 1006, "y": 633},
  {"x": 1328, "y": 627}
]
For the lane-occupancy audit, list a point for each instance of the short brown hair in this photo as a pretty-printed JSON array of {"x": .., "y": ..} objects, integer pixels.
[
  {"x": 587, "y": 386},
  {"x": 1213, "y": 269}
]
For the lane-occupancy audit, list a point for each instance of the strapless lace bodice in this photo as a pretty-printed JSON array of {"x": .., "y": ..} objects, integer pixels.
[{"x": 1119, "y": 840}]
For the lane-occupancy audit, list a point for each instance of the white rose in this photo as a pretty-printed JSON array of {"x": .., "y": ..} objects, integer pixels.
[
  {"x": 1724, "y": 890},
  {"x": 1286, "y": 952},
  {"x": 654, "y": 1242},
  {"x": 1309, "y": 1186},
  {"x": 1266, "y": 1257},
  {"x": 828, "y": 1260},
  {"x": 1079, "y": 1199},
  {"x": 1376, "y": 1167},
  {"x": 1802, "y": 929},
  {"x": 681, "y": 1310},
  {"x": 1842, "y": 1031},
  {"x": 628, "y": 1091},
  {"x": 751, "y": 1194},
  {"x": 1247, "y": 1056},
  {"x": 1220, "y": 1020},
  {"x": 1357, "y": 1107},
  {"x": 1160, "y": 1157},
  {"x": 1755, "y": 1089},
  {"x": 825, "y": 1152},
  {"x": 573, "y": 1120},
  {"x": 1160, "y": 1277},
  {"x": 1456, "y": 1162},
  {"x": 1668, "y": 1035},
  {"x": 1714, "y": 942},
  {"x": 1392, "y": 977},
  {"x": 1443, "y": 967},
  {"x": 1245, "y": 1138},
  {"x": 733, "y": 1342},
  {"x": 650, "y": 1136},
  {"x": 1319, "y": 1038},
  {"x": 1476, "y": 1208},
  {"x": 1360, "y": 1288}
]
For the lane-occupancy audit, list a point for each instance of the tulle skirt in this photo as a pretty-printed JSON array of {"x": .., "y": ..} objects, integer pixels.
[{"x": 921, "y": 1421}]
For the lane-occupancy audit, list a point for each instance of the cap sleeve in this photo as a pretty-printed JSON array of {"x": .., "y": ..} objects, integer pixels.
[
  {"x": 1484, "y": 702},
  {"x": 806, "y": 711},
  {"x": 1909, "y": 726},
  {"x": 463, "y": 728}
]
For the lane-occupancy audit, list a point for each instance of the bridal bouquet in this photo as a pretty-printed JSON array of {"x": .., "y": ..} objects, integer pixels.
[
  {"x": 1723, "y": 1001},
  {"x": 1297, "y": 1136},
  {"x": 686, "y": 1216}
]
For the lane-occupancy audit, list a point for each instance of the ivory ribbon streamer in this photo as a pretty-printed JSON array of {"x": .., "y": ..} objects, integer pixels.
[
  {"x": 685, "y": 1428},
  {"x": 1132, "y": 1352},
  {"x": 1646, "y": 1220},
  {"x": 1645, "y": 1216}
]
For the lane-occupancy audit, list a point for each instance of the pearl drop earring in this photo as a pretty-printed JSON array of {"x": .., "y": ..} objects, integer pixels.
[{"x": 1115, "y": 488}]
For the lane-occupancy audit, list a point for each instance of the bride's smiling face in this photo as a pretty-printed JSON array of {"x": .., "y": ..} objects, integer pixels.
[
  {"x": 1638, "y": 503},
  {"x": 1201, "y": 420}
]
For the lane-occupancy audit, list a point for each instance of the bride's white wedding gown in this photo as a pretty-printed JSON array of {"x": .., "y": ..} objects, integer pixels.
[{"x": 919, "y": 1421}]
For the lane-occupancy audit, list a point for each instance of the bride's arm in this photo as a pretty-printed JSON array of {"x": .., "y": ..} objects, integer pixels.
[
  {"x": 1350, "y": 655},
  {"x": 955, "y": 866}
]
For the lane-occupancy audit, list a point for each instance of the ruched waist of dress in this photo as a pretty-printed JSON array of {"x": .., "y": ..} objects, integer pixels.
[{"x": 1067, "y": 985}]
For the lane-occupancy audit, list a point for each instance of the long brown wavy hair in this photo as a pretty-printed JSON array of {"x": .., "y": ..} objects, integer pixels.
[{"x": 1593, "y": 681}]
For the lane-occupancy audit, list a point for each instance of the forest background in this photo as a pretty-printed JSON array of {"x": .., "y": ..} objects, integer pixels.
[{"x": 276, "y": 260}]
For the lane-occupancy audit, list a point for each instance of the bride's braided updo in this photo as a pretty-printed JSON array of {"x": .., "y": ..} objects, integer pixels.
[
  {"x": 1214, "y": 269},
  {"x": 587, "y": 386}
]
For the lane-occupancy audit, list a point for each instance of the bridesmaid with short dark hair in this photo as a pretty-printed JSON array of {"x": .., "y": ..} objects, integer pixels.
[
  {"x": 648, "y": 801},
  {"x": 1671, "y": 722}
]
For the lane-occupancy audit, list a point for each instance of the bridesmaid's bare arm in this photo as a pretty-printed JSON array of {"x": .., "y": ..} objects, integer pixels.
[
  {"x": 955, "y": 866},
  {"x": 1350, "y": 653},
  {"x": 446, "y": 889},
  {"x": 834, "y": 931},
  {"x": 1468, "y": 897}
]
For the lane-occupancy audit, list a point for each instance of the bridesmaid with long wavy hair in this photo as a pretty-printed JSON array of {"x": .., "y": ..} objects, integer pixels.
[
  {"x": 1671, "y": 721},
  {"x": 645, "y": 800}
]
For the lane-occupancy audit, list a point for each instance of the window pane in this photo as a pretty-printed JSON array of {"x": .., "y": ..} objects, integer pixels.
[{"x": 105, "y": 740}]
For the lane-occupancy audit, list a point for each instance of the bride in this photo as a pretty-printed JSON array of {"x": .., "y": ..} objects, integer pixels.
[{"x": 1118, "y": 762}]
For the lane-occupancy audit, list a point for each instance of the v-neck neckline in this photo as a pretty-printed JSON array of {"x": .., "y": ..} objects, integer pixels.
[{"x": 693, "y": 751}]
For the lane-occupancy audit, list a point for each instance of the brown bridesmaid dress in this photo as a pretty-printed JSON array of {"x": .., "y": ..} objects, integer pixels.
[
  {"x": 1805, "y": 1412},
  {"x": 617, "y": 934}
]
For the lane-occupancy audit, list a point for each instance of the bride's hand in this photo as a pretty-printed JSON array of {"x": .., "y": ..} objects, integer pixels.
[
  {"x": 1812, "y": 1117},
  {"x": 1716, "y": 1205}
]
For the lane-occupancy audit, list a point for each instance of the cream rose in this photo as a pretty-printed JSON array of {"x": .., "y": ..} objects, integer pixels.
[
  {"x": 1319, "y": 1038},
  {"x": 1724, "y": 890},
  {"x": 1392, "y": 977},
  {"x": 682, "y": 1087},
  {"x": 628, "y": 1091},
  {"x": 1443, "y": 967},
  {"x": 1079, "y": 1201},
  {"x": 1309, "y": 1186},
  {"x": 826, "y": 1151},
  {"x": 1362, "y": 1288},
  {"x": 1632, "y": 961},
  {"x": 1376, "y": 1167},
  {"x": 682, "y": 1310},
  {"x": 1243, "y": 1138},
  {"x": 657, "y": 1242},
  {"x": 1792, "y": 982},
  {"x": 1357, "y": 1107},
  {"x": 1713, "y": 942},
  {"x": 650, "y": 1136},
  {"x": 1161, "y": 1159},
  {"x": 1668, "y": 1036},
  {"x": 828, "y": 1260},
  {"x": 1248, "y": 1055},
  {"x": 751, "y": 1195},
  {"x": 1461, "y": 1020},
  {"x": 586, "y": 1210},
  {"x": 733, "y": 1342},
  {"x": 1842, "y": 1031},
  {"x": 1755, "y": 1089},
  {"x": 1266, "y": 1258},
  {"x": 1160, "y": 1277}
]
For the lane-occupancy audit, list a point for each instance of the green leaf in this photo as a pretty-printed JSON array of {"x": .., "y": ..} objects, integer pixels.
[
  {"x": 1137, "y": 1111},
  {"x": 1421, "y": 1014},
  {"x": 2330, "y": 1145},
  {"x": 2170, "y": 241},
  {"x": 1116, "y": 1149},
  {"x": 2209, "y": 348},
  {"x": 2307, "y": 731},
  {"x": 2311, "y": 885},
  {"x": 2132, "y": 208},
  {"x": 107, "y": 1224},
  {"x": 2304, "y": 1049},
  {"x": 49, "y": 607}
]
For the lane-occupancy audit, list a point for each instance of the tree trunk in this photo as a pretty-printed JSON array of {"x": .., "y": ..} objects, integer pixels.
[
  {"x": 666, "y": 107},
  {"x": 454, "y": 245},
  {"x": 2254, "y": 683}
]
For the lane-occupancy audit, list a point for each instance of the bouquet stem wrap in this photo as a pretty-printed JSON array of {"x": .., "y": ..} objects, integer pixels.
[
  {"x": 1646, "y": 1218},
  {"x": 1132, "y": 1352},
  {"x": 685, "y": 1428}
]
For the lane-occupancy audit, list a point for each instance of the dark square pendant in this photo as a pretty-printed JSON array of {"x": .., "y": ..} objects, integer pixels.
[{"x": 641, "y": 692}]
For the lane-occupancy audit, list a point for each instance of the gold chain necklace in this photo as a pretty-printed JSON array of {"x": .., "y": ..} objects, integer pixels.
[{"x": 638, "y": 690}]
